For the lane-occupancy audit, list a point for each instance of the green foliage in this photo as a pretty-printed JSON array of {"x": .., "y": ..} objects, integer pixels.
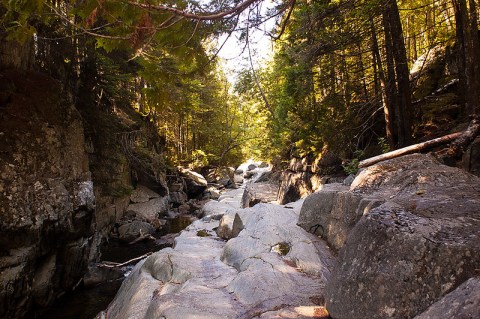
[
  {"x": 322, "y": 85},
  {"x": 383, "y": 143},
  {"x": 199, "y": 159},
  {"x": 351, "y": 167}
]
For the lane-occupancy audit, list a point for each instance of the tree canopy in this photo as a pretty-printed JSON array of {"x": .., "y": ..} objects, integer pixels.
[{"x": 339, "y": 79}]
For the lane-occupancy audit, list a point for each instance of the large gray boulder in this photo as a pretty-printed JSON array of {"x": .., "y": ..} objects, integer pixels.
[
  {"x": 223, "y": 176},
  {"x": 462, "y": 303},
  {"x": 150, "y": 210},
  {"x": 255, "y": 193},
  {"x": 407, "y": 253},
  {"x": 230, "y": 226},
  {"x": 195, "y": 182},
  {"x": 142, "y": 194},
  {"x": 332, "y": 213}
]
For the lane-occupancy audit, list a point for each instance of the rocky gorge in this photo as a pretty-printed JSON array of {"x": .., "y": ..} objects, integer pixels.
[{"x": 401, "y": 242}]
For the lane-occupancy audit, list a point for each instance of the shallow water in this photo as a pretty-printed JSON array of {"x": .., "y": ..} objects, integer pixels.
[{"x": 86, "y": 303}]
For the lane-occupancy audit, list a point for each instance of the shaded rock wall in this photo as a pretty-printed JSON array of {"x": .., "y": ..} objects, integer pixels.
[
  {"x": 46, "y": 194},
  {"x": 308, "y": 174}
]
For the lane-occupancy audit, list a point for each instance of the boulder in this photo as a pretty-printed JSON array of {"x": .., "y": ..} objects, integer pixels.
[
  {"x": 327, "y": 163},
  {"x": 230, "y": 226},
  {"x": 332, "y": 213},
  {"x": 471, "y": 158},
  {"x": 412, "y": 250},
  {"x": 238, "y": 178},
  {"x": 462, "y": 303},
  {"x": 213, "y": 192},
  {"x": 142, "y": 194},
  {"x": 131, "y": 231},
  {"x": 97, "y": 275},
  {"x": 259, "y": 193},
  {"x": 150, "y": 210},
  {"x": 175, "y": 187},
  {"x": 178, "y": 198},
  {"x": 267, "y": 225},
  {"x": 195, "y": 182},
  {"x": 223, "y": 176},
  {"x": 184, "y": 209},
  {"x": 293, "y": 186},
  {"x": 251, "y": 167}
]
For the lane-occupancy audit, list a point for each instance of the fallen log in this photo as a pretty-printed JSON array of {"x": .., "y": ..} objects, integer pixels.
[
  {"x": 416, "y": 148},
  {"x": 111, "y": 264},
  {"x": 459, "y": 146}
]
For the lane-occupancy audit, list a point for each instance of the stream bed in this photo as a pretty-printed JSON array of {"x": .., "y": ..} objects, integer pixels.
[{"x": 86, "y": 303}]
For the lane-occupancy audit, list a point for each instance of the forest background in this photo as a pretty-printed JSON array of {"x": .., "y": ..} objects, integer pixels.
[{"x": 344, "y": 76}]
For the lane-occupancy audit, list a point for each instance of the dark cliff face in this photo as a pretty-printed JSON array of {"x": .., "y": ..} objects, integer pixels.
[{"x": 46, "y": 194}]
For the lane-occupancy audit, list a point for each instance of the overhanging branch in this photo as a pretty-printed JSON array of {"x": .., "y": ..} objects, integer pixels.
[{"x": 211, "y": 16}]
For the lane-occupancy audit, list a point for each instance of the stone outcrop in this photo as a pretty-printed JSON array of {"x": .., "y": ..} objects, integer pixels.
[
  {"x": 195, "y": 183},
  {"x": 255, "y": 193},
  {"x": 271, "y": 268},
  {"x": 46, "y": 194},
  {"x": 307, "y": 174},
  {"x": 412, "y": 250},
  {"x": 149, "y": 210}
]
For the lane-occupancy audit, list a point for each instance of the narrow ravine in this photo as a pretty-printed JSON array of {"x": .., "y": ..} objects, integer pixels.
[
  {"x": 87, "y": 302},
  {"x": 232, "y": 263}
]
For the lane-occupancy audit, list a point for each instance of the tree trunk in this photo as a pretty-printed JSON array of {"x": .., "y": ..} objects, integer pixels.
[
  {"x": 468, "y": 53},
  {"x": 399, "y": 78},
  {"x": 473, "y": 59},
  {"x": 410, "y": 149},
  {"x": 16, "y": 55},
  {"x": 389, "y": 89}
]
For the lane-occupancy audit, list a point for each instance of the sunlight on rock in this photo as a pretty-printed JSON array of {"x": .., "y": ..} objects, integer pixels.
[{"x": 312, "y": 312}]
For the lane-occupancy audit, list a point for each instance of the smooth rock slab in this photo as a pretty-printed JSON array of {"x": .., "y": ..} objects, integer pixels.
[
  {"x": 191, "y": 281},
  {"x": 142, "y": 194}
]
